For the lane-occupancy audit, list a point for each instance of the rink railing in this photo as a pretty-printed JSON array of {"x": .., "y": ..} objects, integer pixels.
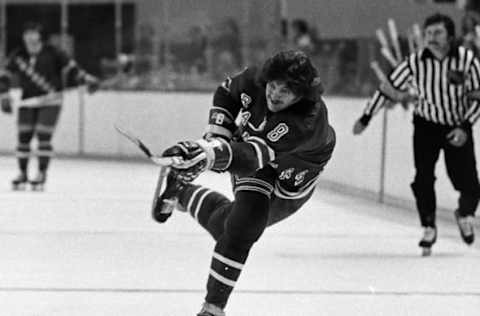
[{"x": 378, "y": 164}]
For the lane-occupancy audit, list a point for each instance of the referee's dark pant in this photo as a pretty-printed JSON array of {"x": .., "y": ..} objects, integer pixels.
[{"x": 428, "y": 139}]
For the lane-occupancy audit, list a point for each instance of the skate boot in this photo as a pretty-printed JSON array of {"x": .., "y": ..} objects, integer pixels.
[
  {"x": 465, "y": 225},
  {"x": 166, "y": 200},
  {"x": 38, "y": 182},
  {"x": 211, "y": 310},
  {"x": 428, "y": 239},
  {"x": 19, "y": 183}
]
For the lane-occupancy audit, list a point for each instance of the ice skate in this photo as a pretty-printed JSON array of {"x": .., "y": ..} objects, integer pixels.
[
  {"x": 19, "y": 183},
  {"x": 38, "y": 183},
  {"x": 428, "y": 239},
  {"x": 465, "y": 225},
  {"x": 165, "y": 199},
  {"x": 211, "y": 310}
]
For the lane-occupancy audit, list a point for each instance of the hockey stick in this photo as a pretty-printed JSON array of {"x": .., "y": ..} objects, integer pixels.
[
  {"x": 46, "y": 99},
  {"x": 172, "y": 161},
  {"x": 50, "y": 98},
  {"x": 392, "y": 28},
  {"x": 164, "y": 162},
  {"x": 158, "y": 187}
]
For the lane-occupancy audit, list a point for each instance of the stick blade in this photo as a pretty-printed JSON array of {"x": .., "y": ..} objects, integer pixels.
[{"x": 127, "y": 134}]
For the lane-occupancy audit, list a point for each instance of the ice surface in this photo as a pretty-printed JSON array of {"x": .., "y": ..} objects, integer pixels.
[{"x": 88, "y": 246}]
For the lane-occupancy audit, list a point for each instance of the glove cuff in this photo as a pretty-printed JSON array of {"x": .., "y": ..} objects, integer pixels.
[{"x": 219, "y": 153}]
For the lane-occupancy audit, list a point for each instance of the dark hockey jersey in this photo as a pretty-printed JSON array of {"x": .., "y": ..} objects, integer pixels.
[
  {"x": 41, "y": 74},
  {"x": 297, "y": 141}
]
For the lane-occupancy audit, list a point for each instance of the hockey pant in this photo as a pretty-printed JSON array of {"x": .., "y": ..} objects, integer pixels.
[
  {"x": 428, "y": 140},
  {"x": 39, "y": 122}
]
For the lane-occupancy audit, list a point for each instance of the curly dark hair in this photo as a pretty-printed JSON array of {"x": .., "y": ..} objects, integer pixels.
[
  {"x": 441, "y": 18},
  {"x": 294, "y": 68}
]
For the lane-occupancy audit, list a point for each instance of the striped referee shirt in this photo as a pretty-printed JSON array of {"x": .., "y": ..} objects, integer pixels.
[{"x": 441, "y": 86}]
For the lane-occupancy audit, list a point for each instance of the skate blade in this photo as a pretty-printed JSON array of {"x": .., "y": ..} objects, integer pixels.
[
  {"x": 426, "y": 251},
  {"x": 37, "y": 187},
  {"x": 19, "y": 187},
  {"x": 160, "y": 186}
]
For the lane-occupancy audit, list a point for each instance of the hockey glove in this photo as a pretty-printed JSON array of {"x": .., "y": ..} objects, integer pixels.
[
  {"x": 186, "y": 170},
  {"x": 6, "y": 103},
  {"x": 216, "y": 155},
  {"x": 92, "y": 83}
]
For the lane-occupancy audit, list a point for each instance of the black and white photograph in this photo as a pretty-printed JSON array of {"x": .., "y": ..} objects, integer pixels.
[{"x": 239, "y": 157}]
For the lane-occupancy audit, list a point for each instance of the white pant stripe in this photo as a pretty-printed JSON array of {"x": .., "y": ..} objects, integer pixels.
[
  {"x": 222, "y": 279},
  {"x": 284, "y": 194},
  {"x": 230, "y": 262},
  {"x": 253, "y": 189}
]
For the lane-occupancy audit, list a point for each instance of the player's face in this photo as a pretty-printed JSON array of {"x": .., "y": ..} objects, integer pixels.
[
  {"x": 436, "y": 38},
  {"x": 33, "y": 41},
  {"x": 279, "y": 96}
]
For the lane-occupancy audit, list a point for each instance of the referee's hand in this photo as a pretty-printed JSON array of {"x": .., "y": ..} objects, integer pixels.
[
  {"x": 457, "y": 137},
  {"x": 358, "y": 127},
  {"x": 6, "y": 105}
]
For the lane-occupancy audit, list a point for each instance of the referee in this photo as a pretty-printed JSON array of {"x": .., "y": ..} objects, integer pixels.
[{"x": 440, "y": 78}]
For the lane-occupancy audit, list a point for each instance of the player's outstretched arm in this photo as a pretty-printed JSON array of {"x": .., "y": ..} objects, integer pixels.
[{"x": 75, "y": 73}]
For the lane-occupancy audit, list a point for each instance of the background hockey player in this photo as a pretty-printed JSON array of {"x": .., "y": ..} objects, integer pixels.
[
  {"x": 284, "y": 141},
  {"x": 40, "y": 68}
]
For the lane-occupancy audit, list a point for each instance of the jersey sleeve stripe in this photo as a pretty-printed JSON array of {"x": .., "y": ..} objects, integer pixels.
[
  {"x": 268, "y": 150},
  {"x": 224, "y": 110},
  {"x": 219, "y": 130},
  {"x": 259, "y": 154}
]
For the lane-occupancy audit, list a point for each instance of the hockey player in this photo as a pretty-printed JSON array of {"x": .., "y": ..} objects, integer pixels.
[
  {"x": 40, "y": 68},
  {"x": 283, "y": 143}
]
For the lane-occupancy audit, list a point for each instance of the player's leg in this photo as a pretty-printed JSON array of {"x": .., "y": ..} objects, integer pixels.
[
  {"x": 462, "y": 171},
  {"x": 281, "y": 208},
  {"x": 44, "y": 128},
  {"x": 427, "y": 142},
  {"x": 243, "y": 227},
  {"x": 207, "y": 207},
  {"x": 25, "y": 128}
]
